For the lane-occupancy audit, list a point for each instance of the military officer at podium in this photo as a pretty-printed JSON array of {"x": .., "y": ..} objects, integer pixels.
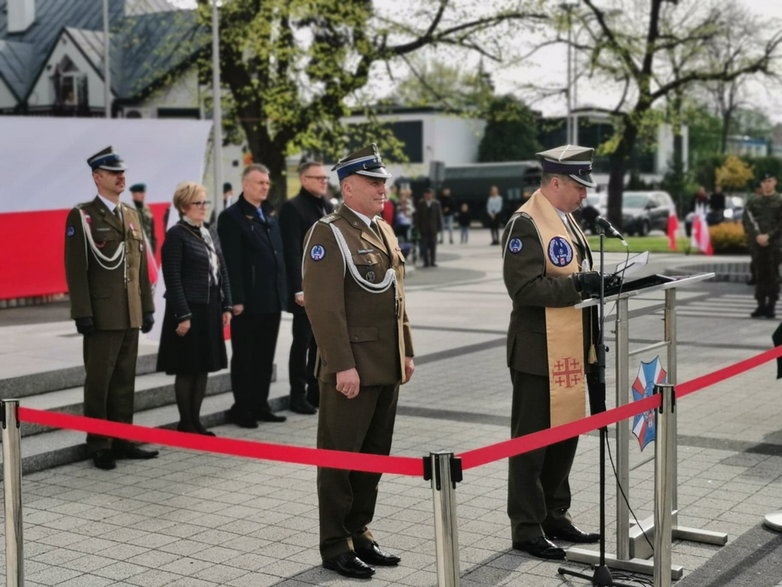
[
  {"x": 111, "y": 299},
  {"x": 354, "y": 297},
  {"x": 547, "y": 268}
]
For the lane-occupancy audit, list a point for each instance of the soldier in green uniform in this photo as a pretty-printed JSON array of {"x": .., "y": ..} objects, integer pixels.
[
  {"x": 111, "y": 298},
  {"x": 763, "y": 225},
  {"x": 138, "y": 191},
  {"x": 353, "y": 282}
]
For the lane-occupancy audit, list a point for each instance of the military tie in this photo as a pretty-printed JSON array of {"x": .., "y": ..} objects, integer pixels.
[
  {"x": 118, "y": 213},
  {"x": 373, "y": 227}
]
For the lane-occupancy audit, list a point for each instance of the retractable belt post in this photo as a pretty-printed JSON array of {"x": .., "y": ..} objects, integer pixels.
[
  {"x": 663, "y": 485},
  {"x": 445, "y": 471},
  {"x": 12, "y": 489}
]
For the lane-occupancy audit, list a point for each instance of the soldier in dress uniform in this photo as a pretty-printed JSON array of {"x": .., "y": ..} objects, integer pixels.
[
  {"x": 111, "y": 298},
  {"x": 138, "y": 191},
  {"x": 547, "y": 268},
  {"x": 353, "y": 283}
]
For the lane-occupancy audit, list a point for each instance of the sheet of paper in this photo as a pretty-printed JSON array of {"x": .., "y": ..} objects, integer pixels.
[{"x": 632, "y": 265}]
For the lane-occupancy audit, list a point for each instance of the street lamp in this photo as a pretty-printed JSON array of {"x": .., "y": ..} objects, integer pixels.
[{"x": 571, "y": 131}]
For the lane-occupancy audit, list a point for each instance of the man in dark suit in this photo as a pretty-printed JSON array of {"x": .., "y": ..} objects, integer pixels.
[
  {"x": 252, "y": 248},
  {"x": 111, "y": 298},
  {"x": 297, "y": 216},
  {"x": 354, "y": 288},
  {"x": 428, "y": 221},
  {"x": 551, "y": 347}
]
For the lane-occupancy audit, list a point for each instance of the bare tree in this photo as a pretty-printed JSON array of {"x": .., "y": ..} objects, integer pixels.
[{"x": 660, "y": 47}]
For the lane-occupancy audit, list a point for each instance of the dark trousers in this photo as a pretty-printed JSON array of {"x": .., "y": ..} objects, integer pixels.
[
  {"x": 538, "y": 486},
  {"x": 428, "y": 248},
  {"x": 301, "y": 361},
  {"x": 347, "y": 498},
  {"x": 766, "y": 261},
  {"x": 110, "y": 365},
  {"x": 253, "y": 340}
]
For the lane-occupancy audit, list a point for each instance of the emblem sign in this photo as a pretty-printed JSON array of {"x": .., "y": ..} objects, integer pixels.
[
  {"x": 560, "y": 253},
  {"x": 515, "y": 245},
  {"x": 317, "y": 252}
]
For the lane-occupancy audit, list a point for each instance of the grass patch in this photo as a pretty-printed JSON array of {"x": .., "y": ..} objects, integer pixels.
[{"x": 638, "y": 244}]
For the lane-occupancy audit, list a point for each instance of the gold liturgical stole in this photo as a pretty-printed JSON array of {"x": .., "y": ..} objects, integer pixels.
[{"x": 564, "y": 326}]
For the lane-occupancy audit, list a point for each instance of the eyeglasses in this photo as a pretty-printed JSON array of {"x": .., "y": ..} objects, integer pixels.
[
  {"x": 201, "y": 204},
  {"x": 318, "y": 177}
]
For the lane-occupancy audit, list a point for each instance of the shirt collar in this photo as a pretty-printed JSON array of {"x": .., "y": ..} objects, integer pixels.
[
  {"x": 365, "y": 219},
  {"x": 109, "y": 204}
]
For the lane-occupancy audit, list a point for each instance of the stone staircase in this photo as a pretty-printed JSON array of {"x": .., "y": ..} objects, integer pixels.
[{"x": 61, "y": 391}]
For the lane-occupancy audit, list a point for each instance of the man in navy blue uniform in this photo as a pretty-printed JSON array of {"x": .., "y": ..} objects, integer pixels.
[{"x": 252, "y": 247}]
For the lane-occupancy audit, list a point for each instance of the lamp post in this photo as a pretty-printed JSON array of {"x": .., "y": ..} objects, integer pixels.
[
  {"x": 571, "y": 132},
  {"x": 217, "y": 113},
  {"x": 106, "y": 64}
]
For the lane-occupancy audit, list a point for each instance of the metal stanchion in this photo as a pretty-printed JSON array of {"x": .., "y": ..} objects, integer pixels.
[
  {"x": 445, "y": 471},
  {"x": 663, "y": 482},
  {"x": 12, "y": 488}
]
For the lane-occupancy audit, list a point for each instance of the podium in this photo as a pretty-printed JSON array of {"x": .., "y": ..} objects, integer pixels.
[{"x": 632, "y": 548}]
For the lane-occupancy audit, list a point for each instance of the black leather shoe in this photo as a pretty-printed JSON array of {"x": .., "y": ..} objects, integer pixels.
[
  {"x": 349, "y": 565},
  {"x": 313, "y": 397},
  {"x": 573, "y": 534},
  {"x": 269, "y": 417},
  {"x": 759, "y": 312},
  {"x": 541, "y": 548},
  {"x": 372, "y": 555},
  {"x": 103, "y": 459},
  {"x": 302, "y": 406},
  {"x": 246, "y": 420},
  {"x": 131, "y": 451}
]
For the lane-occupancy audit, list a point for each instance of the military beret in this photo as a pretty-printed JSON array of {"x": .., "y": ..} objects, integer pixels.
[{"x": 138, "y": 187}]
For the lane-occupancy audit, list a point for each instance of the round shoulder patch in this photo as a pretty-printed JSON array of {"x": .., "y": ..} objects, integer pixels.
[
  {"x": 515, "y": 245},
  {"x": 317, "y": 252},
  {"x": 70, "y": 231},
  {"x": 560, "y": 253}
]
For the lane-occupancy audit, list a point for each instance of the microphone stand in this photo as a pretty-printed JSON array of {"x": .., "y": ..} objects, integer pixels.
[{"x": 602, "y": 574}]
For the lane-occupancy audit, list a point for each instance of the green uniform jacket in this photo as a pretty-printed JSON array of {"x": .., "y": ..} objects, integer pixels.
[
  {"x": 763, "y": 215},
  {"x": 353, "y": 327},
  {"x": 148, "y": 224},
  {"x": 96, "y": 291}
]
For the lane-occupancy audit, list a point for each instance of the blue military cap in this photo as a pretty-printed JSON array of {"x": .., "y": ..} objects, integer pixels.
[
  {"x": 570, "y": 160},
  {"x": 106, "y": 159},
  {"x": 138, "y": 187},
  {"x": 366, "y": 162}
]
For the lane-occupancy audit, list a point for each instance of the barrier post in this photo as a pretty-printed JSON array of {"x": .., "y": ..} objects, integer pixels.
[
  {"x": 445, "y": 471},
  {"x": 12, "y": 489},
  {"x": 663, "y": 480}
]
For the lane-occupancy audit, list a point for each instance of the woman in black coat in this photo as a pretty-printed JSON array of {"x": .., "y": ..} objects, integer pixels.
[{"x": 198, "y": 306}]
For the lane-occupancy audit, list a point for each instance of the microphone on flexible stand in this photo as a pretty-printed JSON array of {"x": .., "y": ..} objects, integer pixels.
[{"x": 609, "y": 229}]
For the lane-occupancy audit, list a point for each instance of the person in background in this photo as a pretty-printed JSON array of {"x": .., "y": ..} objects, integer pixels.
[
  {"x": 138, "y": 191},
  {"x": 297, "y": 216},
  {"x": 198, "y": 306},
  {"x": 763, "y": 226},
  {"x": 354, "y": 287},
  {"x": 447, "y": 205},
  {"x": 465, "y": 218},
  {"x": 428, "y": 222},
  {"x": 111, "y": 299},
  {"x": 228, "y": 199},
  {"x": 252, "y": 248},
  {"x": 494, "y": 212}
]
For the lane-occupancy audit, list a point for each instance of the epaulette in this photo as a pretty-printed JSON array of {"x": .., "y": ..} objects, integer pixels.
[{"x": 328, "y": 218}]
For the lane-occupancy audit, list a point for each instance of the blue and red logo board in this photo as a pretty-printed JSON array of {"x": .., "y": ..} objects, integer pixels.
[{"x": 649, "y": 374}]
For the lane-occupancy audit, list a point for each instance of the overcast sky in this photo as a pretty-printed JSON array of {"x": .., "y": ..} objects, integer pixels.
[{"x": 550, "y": 65}]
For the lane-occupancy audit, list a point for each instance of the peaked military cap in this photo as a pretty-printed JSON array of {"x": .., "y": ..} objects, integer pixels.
[
  {"x": 138, "y": 187},
  {"x": 106, "y": 159},
  {"x": 365, "y": 161},
  {"x": 570, "y": 160}
]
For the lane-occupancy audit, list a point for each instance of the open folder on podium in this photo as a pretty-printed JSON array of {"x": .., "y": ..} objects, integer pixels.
[{"x": 630, "y": 267}]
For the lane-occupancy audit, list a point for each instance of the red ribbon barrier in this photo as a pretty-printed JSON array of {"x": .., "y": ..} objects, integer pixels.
[{"x": 355, "y": 461}]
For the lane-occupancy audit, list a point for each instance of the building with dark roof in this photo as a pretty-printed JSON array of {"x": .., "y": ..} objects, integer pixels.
[{"x": 52, "y": 58}]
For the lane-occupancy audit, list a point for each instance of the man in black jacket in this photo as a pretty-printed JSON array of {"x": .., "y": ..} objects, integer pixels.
[
  {"x": 252, "y": 247},
  {"x": 297, "y": 215}
]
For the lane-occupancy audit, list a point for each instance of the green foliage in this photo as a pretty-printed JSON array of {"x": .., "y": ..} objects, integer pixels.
[
  {"x": 728, "y": 238},
  {"x": 511, "y": 131}
]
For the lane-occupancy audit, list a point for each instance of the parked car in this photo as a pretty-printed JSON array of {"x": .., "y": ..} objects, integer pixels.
[{"x": 643, "y": 211}]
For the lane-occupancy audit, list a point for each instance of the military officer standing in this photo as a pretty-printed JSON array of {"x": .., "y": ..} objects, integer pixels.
[
  {"x": 551, "y": 346},
  {"x": 138, "y": 191},
  {"x": 354, "y": 290},
  {"x": 763, "y": 225},
  {"x": 111, "y": 298}
]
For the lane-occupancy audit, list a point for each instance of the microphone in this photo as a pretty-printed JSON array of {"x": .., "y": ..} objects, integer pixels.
[{"x": 609, "y": 229}]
